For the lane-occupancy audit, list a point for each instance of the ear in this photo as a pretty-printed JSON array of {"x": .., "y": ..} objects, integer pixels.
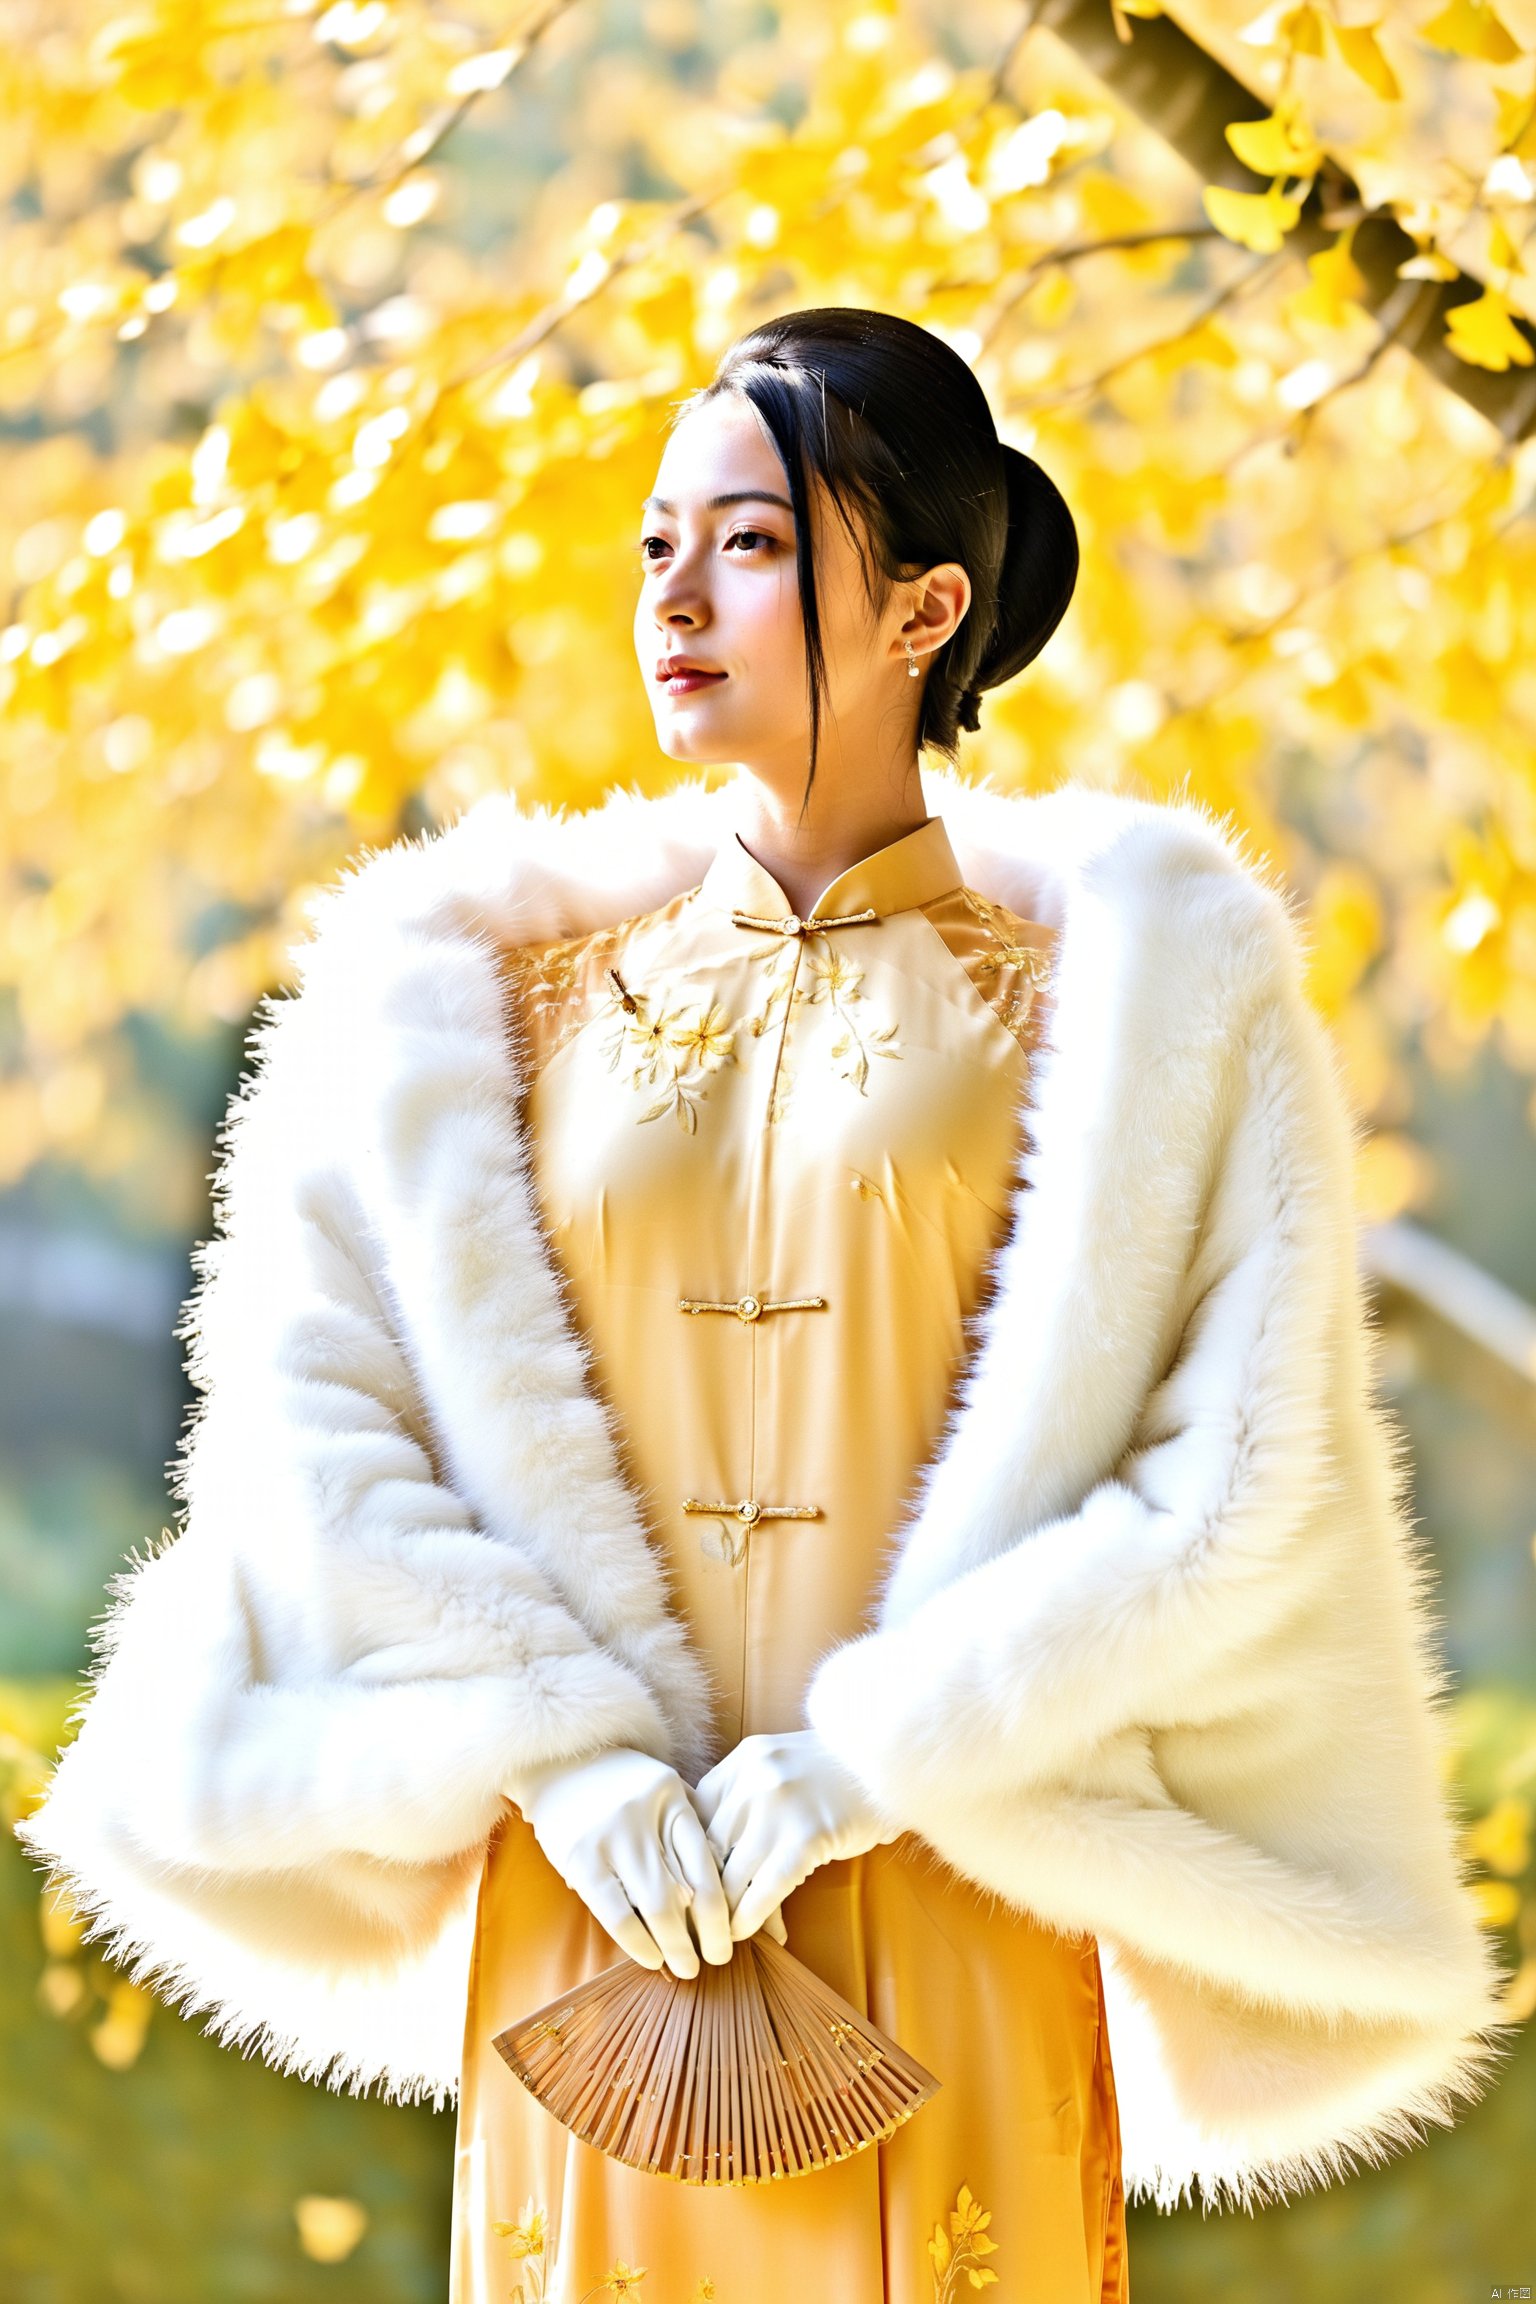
[{"x": 936, "y": 604}]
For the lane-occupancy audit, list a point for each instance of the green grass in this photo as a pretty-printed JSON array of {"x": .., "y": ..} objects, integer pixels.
[
  {"x": 1447, "y": 2224},
  {"x": 174, "y": 2182}
]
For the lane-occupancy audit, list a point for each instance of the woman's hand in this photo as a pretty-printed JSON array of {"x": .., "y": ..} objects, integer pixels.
[
  {"x": 776, "y": 1808},
  {"x": 622, "y": 1831}
]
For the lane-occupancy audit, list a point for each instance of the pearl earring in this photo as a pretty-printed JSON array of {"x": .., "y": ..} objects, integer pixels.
[{"x": 912, "y": 671}]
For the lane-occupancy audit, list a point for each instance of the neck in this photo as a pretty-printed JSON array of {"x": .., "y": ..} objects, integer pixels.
[{"x": 845, "y": 820}]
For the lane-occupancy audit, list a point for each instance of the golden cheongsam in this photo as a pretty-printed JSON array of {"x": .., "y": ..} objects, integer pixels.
[{"x": 774, "y": 1159}]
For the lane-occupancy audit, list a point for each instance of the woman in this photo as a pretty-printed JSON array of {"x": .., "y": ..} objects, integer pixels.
[{"x": 784, "y": 1357}]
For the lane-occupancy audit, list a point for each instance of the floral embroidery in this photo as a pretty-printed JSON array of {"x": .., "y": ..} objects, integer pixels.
[
  {"x": 707, "y": 1039},
  {"x": 544, "y": 980},
  {"x": 548, "y": 980},
  {"x": 826, "y": 974},
  {"x": 1007, "y": 971},
  {"x": 725, "y": 1541},
  {"x": 527, "y": 2238},
  {"x": 1006, "y": 950},
  {"x": 835, "y": 979},
  {"x": 546, "y": 974},
  {"x": 623, "y": 2280},
  {"x": 957, "y": 2253},
  {"x": 675, "y": 1048},
  {"x": 779, "y": 975}
]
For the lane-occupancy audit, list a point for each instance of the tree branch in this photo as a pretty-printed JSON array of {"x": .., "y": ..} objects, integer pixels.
[
  {"x": 1072, "y": 252},
  {"x": 1406, "y": 1257},
  {"x": 1084, "y": 387},
  {"x": 1296, "y": 433},
  {"x": 1190, "y": 99}
]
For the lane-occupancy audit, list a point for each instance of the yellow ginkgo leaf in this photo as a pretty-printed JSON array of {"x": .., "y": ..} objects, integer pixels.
[
  {"x": 146, "y": 68},
  {"x": 1361, "y": 51},
  {"x": 1256, "y": 220},
  {"x": 1206, "y": 341},
  {"x": 1299, "y": 29},
  {"x": 1496, "y": 1902},
  {"x": 1052, "y": 299},
  {"x": 1502, "y": 1838},
  {"x": 1470, "y": 28},
  {"x": 1429, "y": 264},
  {"x": 1503, "y": 254},
  {"x": 1303, "y": 28},
  {"x": 330, "y": 2226},
  {"x": 1120, "y": 8},
  {"x": 1517, "y": 122},
  {"x": 1484, "y": 334},
  {"x": 1335, "y": 288},
  {"x": 1282, "y": 145},
  {"x": 965, "y": 2217}
]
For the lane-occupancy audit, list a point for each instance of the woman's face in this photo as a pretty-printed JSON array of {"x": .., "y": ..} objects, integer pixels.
[{"x": 719, "y": 590}]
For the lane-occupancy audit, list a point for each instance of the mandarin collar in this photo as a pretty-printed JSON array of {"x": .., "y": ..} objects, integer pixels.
[{"x": 915, "y": 869}]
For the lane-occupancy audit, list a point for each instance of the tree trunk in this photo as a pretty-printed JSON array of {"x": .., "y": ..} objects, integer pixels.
[{"x": 1169, "y": 81}]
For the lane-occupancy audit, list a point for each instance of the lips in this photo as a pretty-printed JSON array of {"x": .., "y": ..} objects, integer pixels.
[{"x": 680, "y": 679}]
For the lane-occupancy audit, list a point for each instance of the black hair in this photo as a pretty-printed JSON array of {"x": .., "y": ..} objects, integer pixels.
[{"x": 895, "y": 425}]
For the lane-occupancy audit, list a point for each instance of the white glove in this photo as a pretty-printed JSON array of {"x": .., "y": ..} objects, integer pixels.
[
  {"x": 776, "y": 1808},
  {"x": 622, "y": 1831}
]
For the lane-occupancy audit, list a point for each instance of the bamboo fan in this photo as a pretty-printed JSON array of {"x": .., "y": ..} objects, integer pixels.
[{"x": 748, "y": 2071}]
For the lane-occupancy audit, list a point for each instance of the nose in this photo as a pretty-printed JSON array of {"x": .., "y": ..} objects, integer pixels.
[
  {"x": 674, "y": 620},
  {"x": 677, "y": 597}
]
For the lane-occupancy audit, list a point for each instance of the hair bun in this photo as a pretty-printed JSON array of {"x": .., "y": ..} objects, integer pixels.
[
  {"x": 1039, "y": 574},
  {"x": 894, "y": 424}
]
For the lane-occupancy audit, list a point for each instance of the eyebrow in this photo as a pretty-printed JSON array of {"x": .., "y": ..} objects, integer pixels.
[{"x": 717, "y": 503}]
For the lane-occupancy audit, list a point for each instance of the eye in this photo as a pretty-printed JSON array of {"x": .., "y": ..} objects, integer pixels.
[{"x": 750, "y": 537}]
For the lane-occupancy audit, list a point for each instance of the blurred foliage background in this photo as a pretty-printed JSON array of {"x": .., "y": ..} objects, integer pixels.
[{"x": 336, "y": 344}]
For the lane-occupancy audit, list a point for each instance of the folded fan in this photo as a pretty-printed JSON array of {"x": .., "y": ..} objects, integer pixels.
[{"x": 748, "y": 2071}]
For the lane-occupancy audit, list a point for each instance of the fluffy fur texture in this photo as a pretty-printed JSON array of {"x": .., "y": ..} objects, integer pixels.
[{"x": 1156, "y": 1655}]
